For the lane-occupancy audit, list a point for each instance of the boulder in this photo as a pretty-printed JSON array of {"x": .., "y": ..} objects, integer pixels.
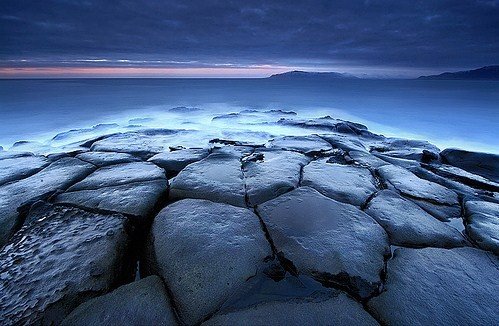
[
  {"x": 486, "y": 165},
  {"x": 409, "y": 225},
  {"x": 309, "y": 145},
  {"x": 217, "y": 177},
  {"x": 271, "y": 173},
  {"x": 64, "y": 257},
  {"x": 57, "y": 176},
  {"x": 333, "y": 242},
  {"x": 174, "y": 161},
  {"x": 143, "y": 302},
  {"x": 16, "y": 168},
  {"x": 482, "y": 224},
  {"x": 345, "y": 183},
  {"x": 101, "y": 159},
  {"x": 205, "y": 252},
  {"x": 465, "y": 177},
  {"x": 434, "y": 286}
]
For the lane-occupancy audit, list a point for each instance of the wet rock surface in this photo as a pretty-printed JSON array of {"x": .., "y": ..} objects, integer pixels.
[
  {"x": 246, "y": 226},
  {"x": 435, "y": 286}
]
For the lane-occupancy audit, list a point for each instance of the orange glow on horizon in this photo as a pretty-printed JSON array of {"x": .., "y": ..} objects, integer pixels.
[{"x": 156, "y": 72}]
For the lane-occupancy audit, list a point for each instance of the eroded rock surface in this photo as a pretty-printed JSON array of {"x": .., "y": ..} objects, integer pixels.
[
  {"x": 434, "y": 286},
  {"x": 345, "y": 183},
  {"x": 482, "y": 224},
  {"x": 486, "y": 165},
  {"x": 304, "y": 144},
  {"x": 205, "y": 251},
  {"x": 101, "y": 159},
  {"x": 333, "y": 242},
  {"x": 62, "y": 258},
  {"x": 143, "y": 302},
  {"x": 16, "y": 168},
  {"x": 174, "y": 161}
]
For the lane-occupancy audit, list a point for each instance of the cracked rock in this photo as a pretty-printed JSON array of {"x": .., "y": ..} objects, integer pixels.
[
  {"x": 174, "y": 161},
  {"x": 345, "y": 183},
  {"x": 143, "y": 302},
  {"x": 434, "y": 286},
  {"x": 333, "y": 242},
  {"x": 482, "y": 224},
  {"x": 101, "y": 159},
  {"x": 304, "y": 144},
  {"x": 62, "y": 258},
  {"x": 486, "y": 165},
  {"x": 16, "y": 168},
  {"x": 205, "y": 252}
]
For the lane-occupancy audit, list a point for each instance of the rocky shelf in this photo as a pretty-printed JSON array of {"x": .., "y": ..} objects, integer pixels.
[{"x": 339, "y": 226}]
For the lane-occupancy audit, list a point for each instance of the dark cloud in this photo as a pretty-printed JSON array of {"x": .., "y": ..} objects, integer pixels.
[{"x": 420, "y": 34}]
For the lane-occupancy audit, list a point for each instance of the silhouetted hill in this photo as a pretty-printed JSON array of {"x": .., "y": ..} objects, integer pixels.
[
  {"x": 484, "y": 73},
  {"x": 296, "y": 74}
]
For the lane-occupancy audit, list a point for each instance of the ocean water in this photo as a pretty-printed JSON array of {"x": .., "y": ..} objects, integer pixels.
[{"x": 463, "y": 114}]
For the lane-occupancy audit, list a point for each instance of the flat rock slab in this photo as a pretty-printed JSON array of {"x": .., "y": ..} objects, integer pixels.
[
  {"x": 120, "y": 174},
  {"x": 482, "y": 224},
  {"x": 345, "y": 183},
  {"x": 331, "y": 241},
  {"x": 16, "y": 168},
  {"x": 436, "y": 199},
  {"x": 304, "y": 144},
  {"x": 205, "y": 252},
  {"x": 366, "y": 159},
  {"x": 143, "y": 302},
  {"x": 407, "y": 224},
  {"x": 336, "y": 309},
  {"x": 57, "y": 176},
  {"x": 346, "y": 143},
  {"x": 101, "y": 159},
  {"x": 269, "y": 174},
  {"x": 434, "y": 286},
  {"x": 62, "y": 258},
  {"x": 218, "y": 178},
  {"x": 138, "y": 199},
  {"x": 463, "y": 176},
  {"x": 486, "y": 165},
  {"x": 174, "y": 161}
]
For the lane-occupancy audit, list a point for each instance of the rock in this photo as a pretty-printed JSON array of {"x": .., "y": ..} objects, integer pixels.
[
  {"x": 460, "y": 175},
  {"x": 174, "y": 161},
  {"x": 486, "y": 165},
  {"x": 346, "y": 143},
  {"x": 217, "y": 177},
  {"x": 13, "y": 154},
  {"x": 143, "y": 302},
  {"x": 482, "y": 224},
  {"x": 57, "y": 176},
  {"x": 434, "y": 286},
  {"x": 334, "y": 309},
  {"x": 309, "y": 145},
  {"x": 409, "y": 225},
  {"x": 432, "y": 197},
  {"x": 274, "y": 173},
  {"x": 101, "y": 159},
  {"x": 345, "y": 183},
  {"x": 65, "y": 256},
  {"x": 205, "y": 252},
  {"x": 333, "y": 242},
  {"x": 16, "y": 168},
  {"x": 366, "y": 159}
]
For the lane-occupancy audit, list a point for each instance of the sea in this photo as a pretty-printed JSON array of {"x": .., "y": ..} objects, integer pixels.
[{"x": 459, "y": 114}]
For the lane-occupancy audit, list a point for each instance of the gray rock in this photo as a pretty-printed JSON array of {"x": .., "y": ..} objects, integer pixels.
[
  {"x": 432, "y": 197},
  {"x": 120, "y": 174},
  {"x": 465, "y": 177},
  {"x": 333, "y": 242},
  {"x": 275, "y": 173},
  {"x": 138, "y": 199},
  {"x": 13, "y": 154},
  {"x": 205, "y": 252},
  {"x": 64, "y": 257},
  {"x": 304, "y": 144},
  {"x": 434, "y": 286},
  {"x": 143, "y": 302},
  {"x": 217, "y": 177},
  {"x": 173, "y": 162},
  {"x": 16, "y": 168},
  {"x": 345, "y": 183},
  {"x": 101, "y": 159},
  {"x": 335, "y": 309},
  {"x": 366, "y": 159},
  {"x": 57, "y": 176},
  {"x": 347, "y": 143},
  {"x": 409, "y": 225},
  {"x": 482, "y": 224},
  {"x": 486, "y": 165}
]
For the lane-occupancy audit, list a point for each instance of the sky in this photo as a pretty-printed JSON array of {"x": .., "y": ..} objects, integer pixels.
[{"x": 207, "y": 38}]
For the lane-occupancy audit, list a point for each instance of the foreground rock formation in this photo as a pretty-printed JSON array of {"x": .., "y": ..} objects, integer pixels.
[{"x": 335, "y": 226}]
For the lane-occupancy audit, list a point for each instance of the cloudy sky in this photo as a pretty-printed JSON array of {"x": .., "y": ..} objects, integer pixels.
[{"x": 245, "y": 38}]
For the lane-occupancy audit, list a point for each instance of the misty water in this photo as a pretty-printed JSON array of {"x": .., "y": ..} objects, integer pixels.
[{"x": 461, "y": 114}]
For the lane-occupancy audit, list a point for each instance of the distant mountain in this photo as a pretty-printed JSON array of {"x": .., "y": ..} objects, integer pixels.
[
  {"x": 484, "y": 73},
  {"x": 296, "y": 74}
]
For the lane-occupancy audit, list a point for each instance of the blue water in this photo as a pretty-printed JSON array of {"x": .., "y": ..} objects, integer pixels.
[{"x": 461, "y": 114}]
